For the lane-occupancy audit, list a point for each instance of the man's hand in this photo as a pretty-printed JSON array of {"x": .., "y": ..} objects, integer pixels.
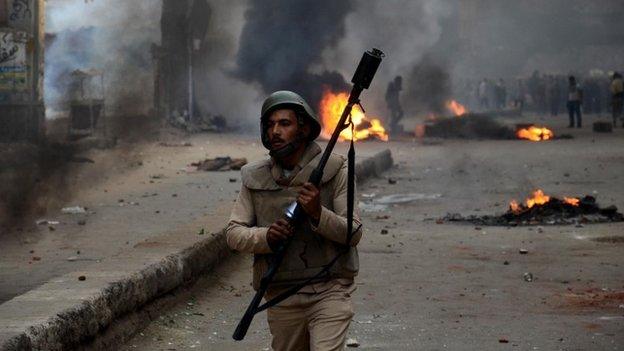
[
  {"x": 310, "y": 199},
  {"x": 278, "y": 232}
]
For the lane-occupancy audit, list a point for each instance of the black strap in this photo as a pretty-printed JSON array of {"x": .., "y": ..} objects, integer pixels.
[{"x": 350, "y": 232}]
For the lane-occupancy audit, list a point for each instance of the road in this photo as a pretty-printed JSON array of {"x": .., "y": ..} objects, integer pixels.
[{"x": 430, "y": 286}]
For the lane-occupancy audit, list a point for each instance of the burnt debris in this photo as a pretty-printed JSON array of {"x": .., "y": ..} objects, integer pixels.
[{"x": 553, "y": 212}]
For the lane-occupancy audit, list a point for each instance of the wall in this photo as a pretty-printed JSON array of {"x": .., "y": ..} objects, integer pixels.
[{"x": 21, "y": 58}]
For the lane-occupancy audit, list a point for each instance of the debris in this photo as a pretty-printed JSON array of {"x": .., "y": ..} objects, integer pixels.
[
  {"x": 82, "y": 222},
  {"x": 82, "y": 278},
  {"x": 74, "y": 210},
  {"x": 72, "y": 259},
  {"x": 550, "y": 211},
  {"x": 405, "y": 198},
  {"x": 166, "y": 144},
  {"x": 523, "y": 251},
  {"x": 603, "y": 127},
  {"x": 201, "y": 232},
  {"x": 51, "y": 228},
  {"x": 368, "y": 196},
  {"x": 528, "y": 277},
  {"x": 36, "y": 258},
  {"x": 220, "y": 164},
  {"x": 157, "y": 176},
  {"x": 384, "y": 231},
  {"x": 351, "y": 342},
  {"x": 47, "y": 222},
  {"x": 503, "y": 341},
  {"x": 233, "y": 180},
  {"x": 77, "y": 159},
  {"x": 392, "y": 181},
  {"x": 506, "y": 263}
]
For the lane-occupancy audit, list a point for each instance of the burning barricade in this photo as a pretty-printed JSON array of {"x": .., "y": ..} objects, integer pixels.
[
  {"x": 365, "y": 128},
  {"x": 542, "y": 209}
]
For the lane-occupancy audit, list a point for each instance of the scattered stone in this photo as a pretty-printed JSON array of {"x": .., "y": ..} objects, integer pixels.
[
  {"x": 82, "y": 278},
  {"x": 384, "y": 231},
  {"x": 503, "y": 341},
  {"x": 233, "y": 180},
  {"x": 165, "y": 144},
  {"x": 74, "y": 210},
  {"x": 351, "y": 342},
  {"x": 36, "y": 258},
  {"x": 82, "y": 222},
  {"x": 47, "y": 222},
  {"x": 201, "y": 232},
  {"x": 392, "y": 181},
  {"x": 72, "y": 259},
  {"x": 51, "y": 228},
  {"x": 528, "y": 277},
  {"x": 157, "y": 176},
  {"x": 220, "y": 164},
  {"x": 523, "y": 251},
  {"x": 506, "y": 263}
]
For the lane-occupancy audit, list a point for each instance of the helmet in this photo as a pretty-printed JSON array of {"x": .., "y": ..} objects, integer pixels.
[{"x": 288, "y": 99}]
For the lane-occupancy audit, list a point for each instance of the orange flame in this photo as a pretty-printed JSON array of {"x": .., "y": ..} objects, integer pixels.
[
  {"x": 535, "y": 133},
  {"x": 331, "y": 107},
  {"x": 539, "y": 198},
  {"x": 571, "y": 201},
  {"x": 457, "y": 108}
]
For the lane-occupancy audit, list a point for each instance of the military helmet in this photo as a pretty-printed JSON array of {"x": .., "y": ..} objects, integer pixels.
[{"x": 288, "y": 99}]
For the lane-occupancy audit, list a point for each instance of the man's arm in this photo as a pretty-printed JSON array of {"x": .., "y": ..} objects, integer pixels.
[
  {"x": 333, "y": 224},
  {"x": 241, "y": 232}
]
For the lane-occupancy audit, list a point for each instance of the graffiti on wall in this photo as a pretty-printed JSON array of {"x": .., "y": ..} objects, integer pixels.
[
  {"x": 20, "y": 13},
  {"x": 13, "y": 64}
]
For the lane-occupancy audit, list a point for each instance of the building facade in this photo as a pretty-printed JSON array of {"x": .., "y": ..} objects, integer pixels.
[{"x": 21, "y": 70}]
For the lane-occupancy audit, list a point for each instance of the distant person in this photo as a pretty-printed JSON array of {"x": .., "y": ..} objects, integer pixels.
[
  {"x": 502, "y": 93},
  {"x": 483, "y": 94},
  {"x": 575, "y": 98},
  {"x": 554, "y": 96},
  {"x": 394, "y": 103},
  {"x": 617, "y": 97}
]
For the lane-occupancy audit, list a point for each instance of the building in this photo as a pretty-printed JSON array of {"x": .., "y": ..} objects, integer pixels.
[{"x": 21, "y": 69}]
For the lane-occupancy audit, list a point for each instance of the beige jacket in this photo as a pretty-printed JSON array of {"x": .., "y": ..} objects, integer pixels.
[{"x": 264, "y": 196}]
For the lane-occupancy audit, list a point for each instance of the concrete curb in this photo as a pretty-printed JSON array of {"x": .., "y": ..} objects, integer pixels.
[{"x": 65, "y": 313}]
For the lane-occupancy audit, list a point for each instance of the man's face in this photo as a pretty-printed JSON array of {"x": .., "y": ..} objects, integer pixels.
[{"x": 282, "y": 128}]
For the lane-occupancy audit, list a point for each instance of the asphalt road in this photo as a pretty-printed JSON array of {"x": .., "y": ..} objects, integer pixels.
[{"x": 430, "y": 286}]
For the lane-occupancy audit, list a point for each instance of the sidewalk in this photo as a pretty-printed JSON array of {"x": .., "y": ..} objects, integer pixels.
[{"x": 164, "y": 233}]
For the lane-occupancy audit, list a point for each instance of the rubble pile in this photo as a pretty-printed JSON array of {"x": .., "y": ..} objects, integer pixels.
[
  {"x": 554, "y": 211},
  {"x": 220, "y": 164},
  {"x": 468, "y": 126}
]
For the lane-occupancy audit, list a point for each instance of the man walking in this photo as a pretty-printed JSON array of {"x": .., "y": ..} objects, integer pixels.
[
  {"x": 394, "y": 103},
  {"x": 617, "y": 97},
  {"x": 575, "y": 96},
  {"x": 318, "y": 316}
]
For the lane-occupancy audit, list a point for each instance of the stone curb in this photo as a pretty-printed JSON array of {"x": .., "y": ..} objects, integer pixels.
[{"x": 81, "y": 312}]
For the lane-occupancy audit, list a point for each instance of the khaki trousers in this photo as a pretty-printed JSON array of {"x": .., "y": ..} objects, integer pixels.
[{"x": 312, "y": 321}]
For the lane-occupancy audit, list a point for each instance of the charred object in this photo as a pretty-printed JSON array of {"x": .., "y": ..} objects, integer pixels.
[
  {"x": 468, "y": 126},
  {"x": 554, "y": 211}
]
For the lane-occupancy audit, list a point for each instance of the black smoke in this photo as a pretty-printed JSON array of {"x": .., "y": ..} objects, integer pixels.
[
  {"x": 428, "y": 86},
  {"x": 282, "y": 40}
]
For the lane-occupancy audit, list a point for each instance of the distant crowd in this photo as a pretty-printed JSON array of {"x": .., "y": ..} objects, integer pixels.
[{"x": 595, "y": 93}]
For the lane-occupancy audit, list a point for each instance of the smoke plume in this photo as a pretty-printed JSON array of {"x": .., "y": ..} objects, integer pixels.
[
  {"x": 111, "y": 36},
  {"x": 282, "y": 40}
]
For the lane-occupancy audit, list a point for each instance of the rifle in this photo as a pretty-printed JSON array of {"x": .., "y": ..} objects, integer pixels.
[{"x": 295, "y": 214}]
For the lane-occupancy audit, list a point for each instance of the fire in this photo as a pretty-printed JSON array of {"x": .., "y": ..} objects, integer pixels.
[
  {"x": 539, "y": 198},
  {"x": 534, "y": 133},
  {"x": 457, "y": 108},
  {"x": 571, "y": 201},
  {"x": 331, "y": 107}
]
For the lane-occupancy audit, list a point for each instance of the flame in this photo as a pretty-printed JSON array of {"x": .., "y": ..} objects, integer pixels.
[
  {"x": 535, "y": 133},
  {"x": 571, "y": 201},
  {"x": 331, "y": 107},
  {"x": 539, "y": 198},
  {"x": 457, "y": 108},
  {"x": 514, "y": 207}
]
